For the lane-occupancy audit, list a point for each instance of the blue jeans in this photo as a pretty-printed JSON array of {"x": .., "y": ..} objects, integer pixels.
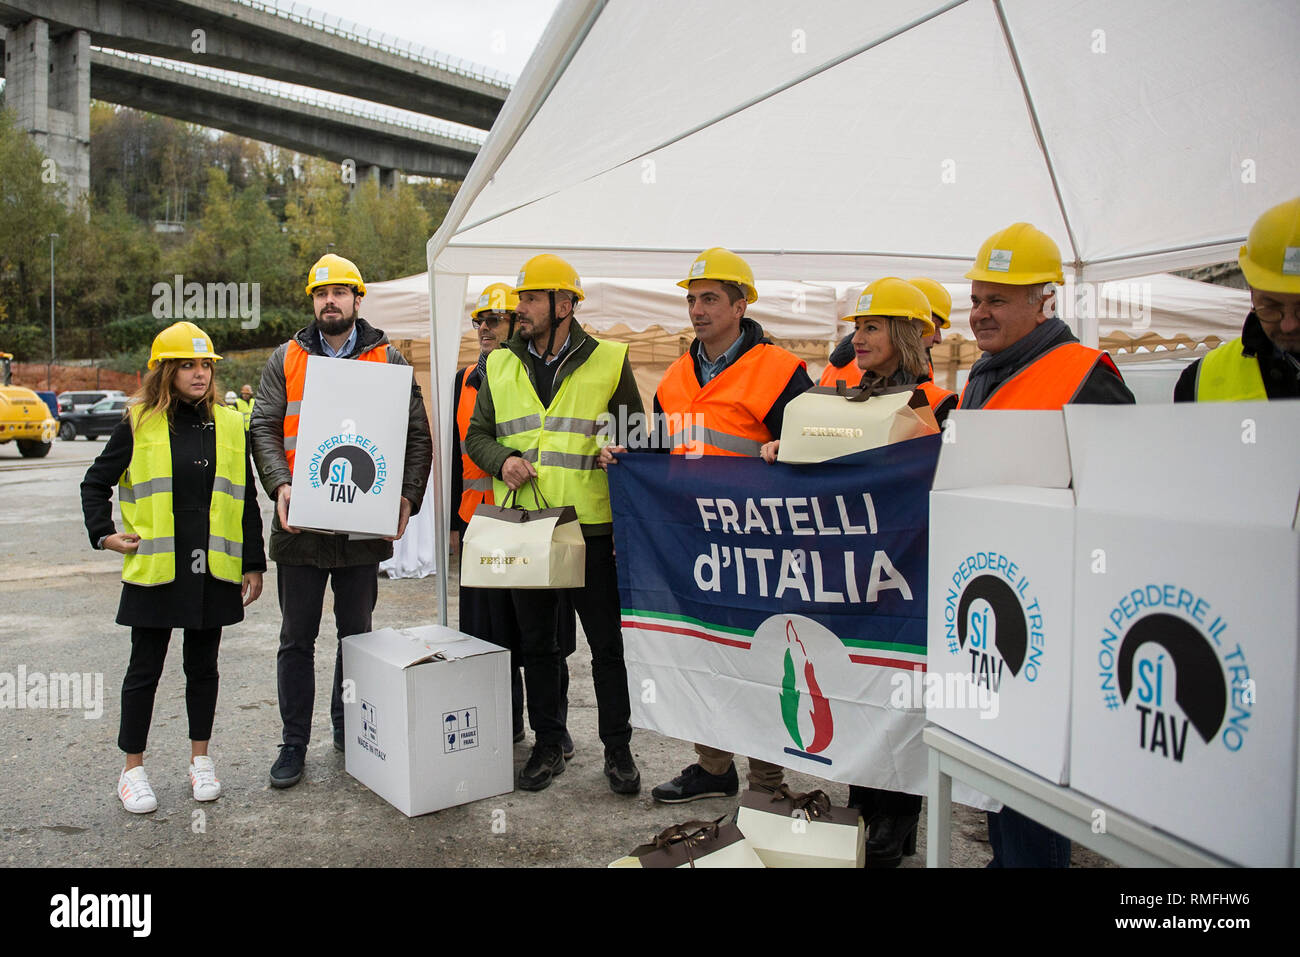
[{"x": 1018, "y": 841}]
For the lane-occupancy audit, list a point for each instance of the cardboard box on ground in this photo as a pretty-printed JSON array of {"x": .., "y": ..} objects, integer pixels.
[
  {"x": 351, "y": 447},
  {"x": 1001, "y": 586},
  {"x": 427, "y": 723},
  {"x": 1187, "y": 614}
]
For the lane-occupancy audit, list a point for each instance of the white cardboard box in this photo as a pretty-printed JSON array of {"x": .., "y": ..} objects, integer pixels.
[
  {"x": 351, "y": 451},
  {"x": 1187, "y": 599},
  {"x": 1000, "y": 598},
  {"x": 429, "y": 724}
]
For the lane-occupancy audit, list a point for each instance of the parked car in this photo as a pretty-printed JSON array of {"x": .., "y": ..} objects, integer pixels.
[
  {"x": 99, "y": 419},
  {"x": 79, "y": 401}
]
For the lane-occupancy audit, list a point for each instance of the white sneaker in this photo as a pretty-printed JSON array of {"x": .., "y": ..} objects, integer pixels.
[
  {"x": 136, "y": 794},
  {"x": 203, "y": 777}
]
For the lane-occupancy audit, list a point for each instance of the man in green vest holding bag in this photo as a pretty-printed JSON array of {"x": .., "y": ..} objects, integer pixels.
[
  {"x": 1265, "y": 362},
  {"x": 537, "y": 416}
]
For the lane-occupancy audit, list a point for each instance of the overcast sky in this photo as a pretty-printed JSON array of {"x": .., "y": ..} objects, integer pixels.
[{"x": 494, "y": 33}]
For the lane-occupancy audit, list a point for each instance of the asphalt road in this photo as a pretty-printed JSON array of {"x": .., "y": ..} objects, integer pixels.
[{"x": 58, "y": 804}]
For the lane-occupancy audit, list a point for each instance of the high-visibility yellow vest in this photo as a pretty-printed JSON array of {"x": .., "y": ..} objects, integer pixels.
[
  {"x": 560, "y": 440},
  {"x": 245, "y": 408},
  {"x": 145, "y": 495},
  {"x": 1226, "y": 375}
]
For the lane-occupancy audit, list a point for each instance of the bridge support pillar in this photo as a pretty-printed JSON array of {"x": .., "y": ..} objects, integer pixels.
[
  {"x": 382, "y": 176},
  {"x": 47, "y": 85}
]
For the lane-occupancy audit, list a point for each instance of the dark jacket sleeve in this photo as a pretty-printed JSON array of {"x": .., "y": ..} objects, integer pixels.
[
  {"x": 1185, "y": 387},
  {"x": 625, "y": 404},
  {"x": 481, "y": 436},
  {"x": 453, "y": 453},
  {"x": 799, "y": 383},
  {"x": 101, "y": 477},
  {"x": 1103, "y": 387},
  {"x": 419, "y": 442},
  {"x": 946, "y": 406},
  {"x": 266, "y": 427},
  {"x": 254, "y": 548}
]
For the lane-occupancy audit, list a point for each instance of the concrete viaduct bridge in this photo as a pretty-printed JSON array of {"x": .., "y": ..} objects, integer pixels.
[{"x": 51, "y": 73}]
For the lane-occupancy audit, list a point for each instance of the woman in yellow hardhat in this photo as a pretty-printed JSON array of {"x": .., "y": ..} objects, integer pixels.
[
  {"x": 192, "y": 543},
  {"x": 892, "y": 318}
]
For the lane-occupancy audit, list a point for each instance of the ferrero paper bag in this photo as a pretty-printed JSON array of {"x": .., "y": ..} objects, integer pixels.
[
  {"x": 506, "y": 547},
  {"x": 826, "y": 423}
]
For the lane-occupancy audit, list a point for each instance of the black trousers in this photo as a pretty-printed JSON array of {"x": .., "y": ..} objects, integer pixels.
[
  {"x": 598, "y": 607},
  {"x": 301, "y": 590},
  {"x": 148, "y": 652},
  {"x": 873, "y": 801}
]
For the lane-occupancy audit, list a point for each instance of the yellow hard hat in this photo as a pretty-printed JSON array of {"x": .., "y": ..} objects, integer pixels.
[
  {"x": 940, "y": 300},
  {"x": 1019, "y": 255},
  {"x": 1270, "y": 259},
  {"x": 498, "y": 297},
  {"x": 893, "y": 298},
  {"x": 330, "y": 269},
  {"x": 548, "y": 272},
  {"x": 724, "y": 266},
  {"x": 181, "y": 340}
]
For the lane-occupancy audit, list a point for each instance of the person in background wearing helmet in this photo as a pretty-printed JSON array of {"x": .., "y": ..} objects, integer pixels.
[
  {"x": 245, "y": 404},
  {"x": 726, "y": 396},
  {"x": 1264, "y": 363},
  {"x": 940, "y": 310},
  {"x": 230, "y": 400},
  {"x": 538, "y": 417},
  {"x": 192, "y": 546},
  {"x": 306, "y": 561},
  {"x": 892, "y": 321},
  {"x": 488, "y": 613},
  {"x": 1031, "y": 360}
]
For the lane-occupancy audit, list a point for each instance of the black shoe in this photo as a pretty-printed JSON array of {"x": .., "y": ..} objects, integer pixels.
[
  {"x": 287, "y": 770},
  {"x": 338, "y": 739},
  {"x": 566, "y": 746},
  {"x": 544, "y": 763},
  {"x": 891, "y": 837},
  {"x": 695, "y": 783},
  {"x": 621, "y": 770}
]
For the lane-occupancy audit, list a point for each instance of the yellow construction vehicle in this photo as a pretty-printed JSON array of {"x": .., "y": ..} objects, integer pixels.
[{"x": 24, "y": 418}]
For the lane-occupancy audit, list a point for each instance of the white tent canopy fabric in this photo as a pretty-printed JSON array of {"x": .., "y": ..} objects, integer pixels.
[
  {"x": 840, "y": 138},
  {"x": 1163, "y": 304}
]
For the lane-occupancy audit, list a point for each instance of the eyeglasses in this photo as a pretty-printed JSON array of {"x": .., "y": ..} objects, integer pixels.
[
  {"x": 492, "y": 321},
  {"x": 1273, "y": 312}
]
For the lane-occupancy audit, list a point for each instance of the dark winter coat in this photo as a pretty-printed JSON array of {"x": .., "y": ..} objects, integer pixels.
[{"x": 192, "y": 599}]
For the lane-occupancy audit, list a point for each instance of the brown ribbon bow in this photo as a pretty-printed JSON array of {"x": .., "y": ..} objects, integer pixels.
[
  {"x": 814, "y": 804},
  {"x": 688, "y": 835}
]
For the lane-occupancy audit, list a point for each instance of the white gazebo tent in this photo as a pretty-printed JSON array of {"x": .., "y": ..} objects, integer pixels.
[{"x": 838, "y": 138}]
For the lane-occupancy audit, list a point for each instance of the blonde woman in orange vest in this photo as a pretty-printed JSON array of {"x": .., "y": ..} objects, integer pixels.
[{"x": 489, "y": 613}]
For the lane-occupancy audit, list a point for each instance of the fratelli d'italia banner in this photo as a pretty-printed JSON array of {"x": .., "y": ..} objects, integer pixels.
[{"x": 768, "y": 609}]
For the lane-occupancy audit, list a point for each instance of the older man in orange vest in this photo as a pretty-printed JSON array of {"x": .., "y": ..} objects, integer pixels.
[
  {"x": 726, "y": 396},
  {"x": 1031, "y": 360}
]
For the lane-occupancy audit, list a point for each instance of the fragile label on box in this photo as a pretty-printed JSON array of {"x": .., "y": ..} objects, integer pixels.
[{"x": 460, "y": 730}]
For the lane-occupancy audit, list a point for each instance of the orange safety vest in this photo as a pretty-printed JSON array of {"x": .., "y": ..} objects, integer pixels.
[
  {"x": 295, "y": 378},
  {"x": 849, "y": 372},
  {"x": 1051, "y": 381},
  {"x": 726, "y": 416},
  {"x": 477, "y": 488},
  {"x": 934, "y": 394}
]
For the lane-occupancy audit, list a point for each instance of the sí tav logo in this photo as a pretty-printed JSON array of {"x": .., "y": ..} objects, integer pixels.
[
  {"x": 348, "y": 463},
  {"x": 214, "y": 300},
  {"x": 805, "y": 709},
  {"x": 990, "y": 615},
  {"x": 1163, "y": 655}
]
